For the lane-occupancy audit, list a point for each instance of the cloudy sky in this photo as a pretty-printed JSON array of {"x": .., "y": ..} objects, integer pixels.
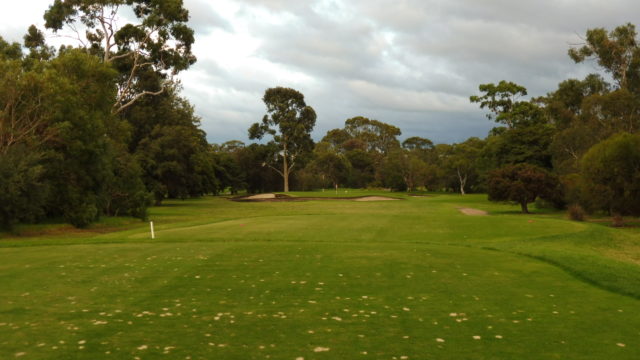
[{"x": 410, "y": 63}]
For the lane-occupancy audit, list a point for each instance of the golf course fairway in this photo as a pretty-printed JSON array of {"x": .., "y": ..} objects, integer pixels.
[{"x": 415, "y": 278}]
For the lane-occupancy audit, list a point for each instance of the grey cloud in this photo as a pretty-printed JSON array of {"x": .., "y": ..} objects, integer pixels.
[
  {"x": 14, "y": 34},
  {"x": 203, "y": 18},
  {"x": 412, "y": 63}
]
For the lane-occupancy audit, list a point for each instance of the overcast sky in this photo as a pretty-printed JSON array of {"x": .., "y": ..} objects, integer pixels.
[{"x": 410, "y": 63}]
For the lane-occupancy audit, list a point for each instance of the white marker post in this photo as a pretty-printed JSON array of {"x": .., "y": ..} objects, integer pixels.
[{"x": 153, "y": 235}]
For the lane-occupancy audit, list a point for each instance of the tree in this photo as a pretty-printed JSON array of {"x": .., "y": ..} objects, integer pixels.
[
  {"x": 617, "y": 52},
  {"x": 569, "y": 146},
  {"x": 228, "y": 170},
  {"x": 522, "y": 184},
  {"x": 337, "y": 138},
  {"x": 330, "y": 164},
  {"x": 57, "y": 133},
  {"x": 576, "y": 110},
  {"x": 501, "y": 100},
  {"x": 527, "y": 144},
  {"x": 177, "y": 163},
  {"x": 23, "y": 186},
  {"x": 80, "y": 160},
  {"x": 363, "y": 167},
  {"x": 417, "y": 143},
  {"x": 402, "y": 169},
  {"x": 257, "y": 177},
  {"x": 10, "y": 51},
  {"x": 611, "y": 170},
  {"x": 564, "y": 106},
  {"x": 289, "y": 121},
  {"x": 159, "y": 43},
  {"x": 24, "y": 115},
  {"x": 377, "y": 136},
  {"x": 462, "y": 161},
  {"x": 126, "y": 193}
]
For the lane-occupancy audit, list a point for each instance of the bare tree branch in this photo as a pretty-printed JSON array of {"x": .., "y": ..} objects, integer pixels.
[{"x": 135, "y": 98}]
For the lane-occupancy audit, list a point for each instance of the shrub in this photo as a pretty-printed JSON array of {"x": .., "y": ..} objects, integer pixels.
[
  {"x": 617, "y": 220},
  {"x": 611, "y": 172},
  {"x": 576, "y": 212},
  {"x": 81, "y": 215}
]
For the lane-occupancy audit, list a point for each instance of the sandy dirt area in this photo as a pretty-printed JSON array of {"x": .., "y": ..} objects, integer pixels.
[
  {"x": 473, "y": 212},
  {"x": 261, "y": 197}
]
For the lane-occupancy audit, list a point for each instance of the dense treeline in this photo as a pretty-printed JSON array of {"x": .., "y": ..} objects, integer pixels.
[
  {"x": 101, "y": 129},
  {"x": 576, "y": 146}
]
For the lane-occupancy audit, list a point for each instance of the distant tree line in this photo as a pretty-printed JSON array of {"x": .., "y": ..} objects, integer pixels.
[
  {"x": 576, "y": 146},
  {"x": 101, "y": 129}
]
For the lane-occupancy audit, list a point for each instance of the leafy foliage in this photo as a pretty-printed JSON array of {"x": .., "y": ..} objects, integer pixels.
[
  {"x": 159, "y": 43},
  {"x": 289, "y": 122},
  {"x": 23, "y": 187},
  {"x": 611, "y": 171},
  {"x": 522, "y": 184}
]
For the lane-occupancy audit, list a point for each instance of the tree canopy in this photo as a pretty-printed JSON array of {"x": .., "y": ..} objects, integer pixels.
[
  {"x": 289, "y": 122},
  {"x": 160, "y": 42},
  {"x": 522, "y": 184}
]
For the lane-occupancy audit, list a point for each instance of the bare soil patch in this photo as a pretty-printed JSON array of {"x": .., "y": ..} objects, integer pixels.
[{"x": 473, "y": 212}]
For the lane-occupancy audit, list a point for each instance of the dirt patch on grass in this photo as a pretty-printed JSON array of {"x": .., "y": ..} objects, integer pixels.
[{"x": 473, "y": 212}]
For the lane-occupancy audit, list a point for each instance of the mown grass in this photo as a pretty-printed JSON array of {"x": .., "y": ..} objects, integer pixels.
[{"x": 326, "y": 279}]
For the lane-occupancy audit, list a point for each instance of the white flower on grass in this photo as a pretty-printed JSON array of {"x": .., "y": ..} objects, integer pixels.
[
  {"x": 621, "y": 344},
  {"x": 476, "y": 337},
  {"x": 143, "y": 347},
  {"x": 321, "y": 349},
  {"x": 440, "y": 340}
]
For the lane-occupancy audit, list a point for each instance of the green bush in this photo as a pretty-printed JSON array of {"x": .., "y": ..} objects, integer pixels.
[
  {"x": 82, "y": 214},
  {"x": 611, "y": 173},
  {"x": 23, "y": 189}
]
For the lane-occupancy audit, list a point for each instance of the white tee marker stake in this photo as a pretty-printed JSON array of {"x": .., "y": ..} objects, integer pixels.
[{"x": 153, "y": 235}]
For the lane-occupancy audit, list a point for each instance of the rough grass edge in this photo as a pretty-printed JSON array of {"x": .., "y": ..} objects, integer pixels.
[{"x": 628, "y": 273}]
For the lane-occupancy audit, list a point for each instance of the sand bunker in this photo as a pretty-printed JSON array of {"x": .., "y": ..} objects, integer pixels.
[
  {"x": 283, "y": 197},
  {"x": 473, "y": 212},
  {"x": 374, "y": 198},
  {"x": 261, "y": 197}
]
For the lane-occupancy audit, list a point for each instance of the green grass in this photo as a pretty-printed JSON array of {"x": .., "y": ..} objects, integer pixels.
[{"x": 365, "y": 280}]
